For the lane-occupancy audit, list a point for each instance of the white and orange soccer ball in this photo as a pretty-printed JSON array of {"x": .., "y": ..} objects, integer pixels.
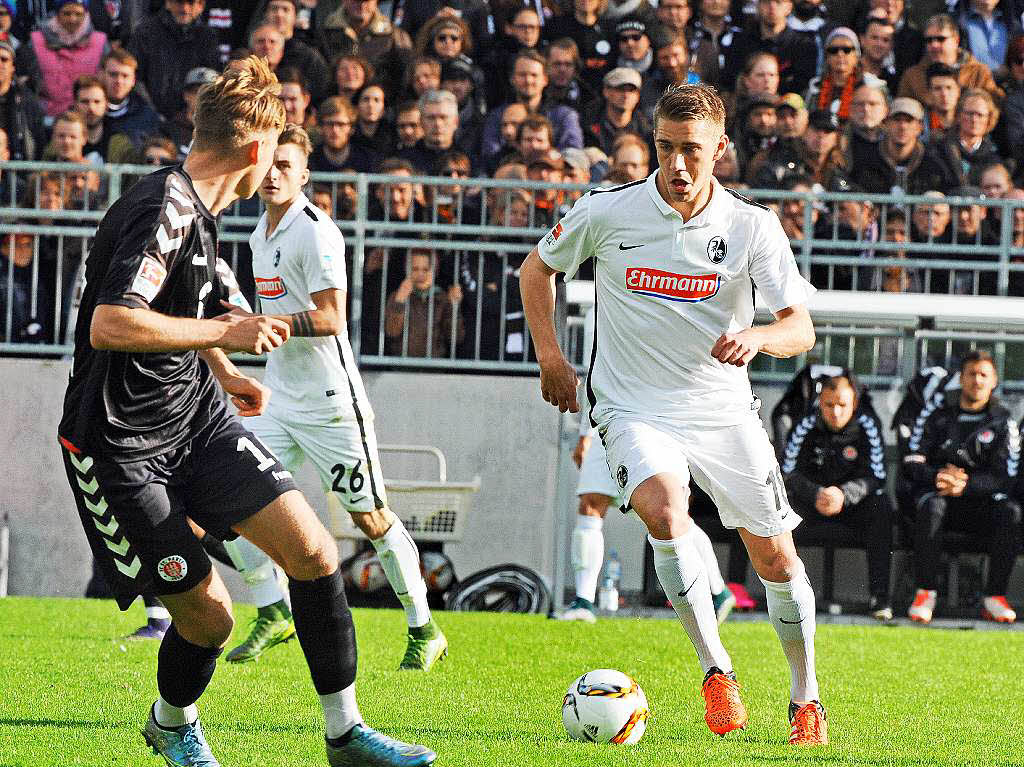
[{"x": 605, "y": 706}]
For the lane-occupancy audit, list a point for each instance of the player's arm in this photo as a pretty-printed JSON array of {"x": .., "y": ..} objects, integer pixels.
[
  {"x": 558, "y": 379},
  {"x": 790, "y": 334},
  {"x": 328, "y": 319},
  {"x": 247, "y": 394},
  {"x": 135, "y": 329}
]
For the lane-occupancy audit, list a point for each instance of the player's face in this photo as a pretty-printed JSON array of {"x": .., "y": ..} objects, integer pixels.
[
  {"x": 837, "y": 406},
  {"x": 286, "y": 176},
  {"x": 687, "y": 151},
  {"x": 977, "y": 381},
  {"x": 252, "y": 178}
]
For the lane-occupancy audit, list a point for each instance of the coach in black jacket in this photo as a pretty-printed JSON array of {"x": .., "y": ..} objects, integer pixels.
[
  {"x": 834, "y": 466},
  {"x": 963, "y": 459}
]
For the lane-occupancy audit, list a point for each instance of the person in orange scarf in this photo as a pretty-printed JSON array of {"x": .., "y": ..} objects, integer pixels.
[{"x": 842, "y": 72}]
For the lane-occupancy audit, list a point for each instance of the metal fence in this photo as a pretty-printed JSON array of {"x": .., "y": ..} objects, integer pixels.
[{"x": 469, "y": 236}]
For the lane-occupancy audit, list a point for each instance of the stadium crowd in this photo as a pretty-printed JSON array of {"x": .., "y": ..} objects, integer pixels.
[{"x": 873, "y": 96}]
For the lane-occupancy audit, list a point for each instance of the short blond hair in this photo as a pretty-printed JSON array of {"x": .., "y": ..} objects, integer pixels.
[
  {"x": 242, "y": 101},
  {"x": 295, "y": 134},
  {"x": 690, "y": 102}
]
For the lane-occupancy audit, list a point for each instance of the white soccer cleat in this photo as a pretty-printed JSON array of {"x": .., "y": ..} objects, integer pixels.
[
  {"x": 580, "y": 610},
  {"x": 998, "y": 609},
  {"x": 924, "y": 606}
]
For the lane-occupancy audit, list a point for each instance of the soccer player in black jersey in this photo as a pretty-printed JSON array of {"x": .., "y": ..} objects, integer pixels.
[{"x": 152, "y": 452}]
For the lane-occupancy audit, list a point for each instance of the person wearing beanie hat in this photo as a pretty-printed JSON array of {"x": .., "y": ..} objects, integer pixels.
[
  {"x": 21, "y": 113},
  {"x": 841, "y": 74},
  {"x": 633, "y": 41}
]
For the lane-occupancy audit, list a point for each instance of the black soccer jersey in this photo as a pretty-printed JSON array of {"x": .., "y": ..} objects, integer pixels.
[{"x": 156, "y": 248}]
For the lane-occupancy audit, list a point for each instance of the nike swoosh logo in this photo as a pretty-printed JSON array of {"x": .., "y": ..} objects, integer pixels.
[
  {"x": 357, "y": 500},
  {"x": 791, "y": 623},
  {"x": 629, "y": 247},
  {"x": 684, "y": 592}
]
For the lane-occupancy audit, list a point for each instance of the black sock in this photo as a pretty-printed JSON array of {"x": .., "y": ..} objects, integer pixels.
[
  {"x": 183, "y": 669},
  {"x": 323, "y": 623},
  {"x": 215, "y": 549}
]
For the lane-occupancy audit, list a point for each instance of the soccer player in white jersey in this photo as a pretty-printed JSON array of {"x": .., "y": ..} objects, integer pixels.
[
  {"x": 597, "y": 491},
  {"x": 319, "y": 408},
  {"x": 677, "y": 257}
]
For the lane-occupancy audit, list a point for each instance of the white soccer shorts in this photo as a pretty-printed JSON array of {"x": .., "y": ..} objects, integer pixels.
[
  {"x": 344, "y": 454},
  {"x": 735, "y": 465},
  {"x": 594, "y": 474}
]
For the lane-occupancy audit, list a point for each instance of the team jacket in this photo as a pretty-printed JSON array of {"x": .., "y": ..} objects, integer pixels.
[
  {"x": 852, "y": 459},
  {"x": 985, "y": 444}
]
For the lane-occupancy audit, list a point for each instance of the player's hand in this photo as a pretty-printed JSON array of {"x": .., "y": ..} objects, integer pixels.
[
  {"x": 253, "y": 334},
  {"x": 233, "y": 309},
  {"x": 558, "y": 383},
  {"x": 248, "y": 395},
  {"x": 580, "y": 450},
  {"x": 735, "y": 348}
]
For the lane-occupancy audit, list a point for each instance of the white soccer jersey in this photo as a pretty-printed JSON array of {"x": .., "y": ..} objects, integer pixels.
[
  {"x": 666, "y": 290},
  {"x": 312, "y": 378}
]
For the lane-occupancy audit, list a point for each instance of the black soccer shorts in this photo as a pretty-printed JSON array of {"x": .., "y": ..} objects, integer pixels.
[{"x": 134, "y": 513}]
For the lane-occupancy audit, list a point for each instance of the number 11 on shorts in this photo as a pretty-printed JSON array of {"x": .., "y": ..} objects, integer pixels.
[{"x": 775, "y": 482}]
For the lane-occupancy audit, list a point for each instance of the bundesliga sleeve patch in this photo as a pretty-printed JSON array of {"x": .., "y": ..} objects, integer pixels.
[
  {"x": 149, "y": 278},
  {"x": 554, "y": 234}
]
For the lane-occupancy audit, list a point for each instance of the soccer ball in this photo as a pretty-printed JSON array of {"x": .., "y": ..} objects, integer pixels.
[
  {"x": 605, "y": 706},
  {"x": 438, "y": 572},
  {"x": 366, "y": 573}
]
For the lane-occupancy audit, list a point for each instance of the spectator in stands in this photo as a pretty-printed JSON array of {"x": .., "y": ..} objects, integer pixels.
[
  {"x": 529, "y": 79},
  {"x": 616, "y": 113},
  {"x": 179, "y": 127},
  {"x": 834, "y": 471},
  {"x": 423, "y": 320},
  {"x": 877, "y": 55},
  {"x": 631, "y": 154},
  {"x": 21, "y": 112},
  {"x": 439, "y": 113},
  {"x": 102, "y": 145},
  {"x": 127, "y": 111},
  {"x": 755, "y": 132},
  {"x": 282, "y": 14},
  {"x": 9, "y": 182},
  {"x": 422, "y": 74},
  {"x": 373, "y": 132},
  {"x": 987, "y": 29},
  {"x": 577, "y": 171},
  {"x": 7, "y": 8},
  {"x": 793, "y": 213},
  {"x": 791, "y": 116},
  {"x": 710, "y": 26},
  {"x": 902, "y": 163},
  {"x": 546, "y": 165},
  {"x": 854, "y": 220},
  {"x": 169, "y": 45},
  {"x": 797, "y": 52},
  {"x": 350, "y": 73},
  {"x": 416, "y": 14},
  {"x": 967, "y": 148},
  {"x": 996, "y": 183},
  {"x": 863, "y": 133},
  {"x": 521, "y": 33},
  {"x": 337, "y": 118},
  {"x": 513, "y": 116},
  {"x": 930, "y": 220},
  {"x": 841, "y": 75},
  {"x": 943, "y": 96},
  {"x": 908, "y": 43},
  {"x": 18, "y": 279},
  {"x": 972, "y": 227},
  {"x": 1013, "y": 107},
  {"x": 159, "y": 151},
  {"x": 535, "y": 135},
  {"x": 358, "y": 26},
  {"x": 584, "y": 26},
  {"x": 632, "y": 37},
  {"x": 963, "y": 460},
  {"x": 408, "y": 126},
  {"x": 67, "y": 144},
  {"x": 671, "y": 67},
  {"x": 296, "y": 97},
  {"x": 65, "y": 47},
  {"x": 457, "y": 78},
  {"x": 727, "y": 168},
  {"x": 446, "y": 37},
  {"x": 760, "y": 76},
  {"x": 896, "y": 279},
  {"x": 565, "y": 85},
  {"x": 942, "y": 45}
]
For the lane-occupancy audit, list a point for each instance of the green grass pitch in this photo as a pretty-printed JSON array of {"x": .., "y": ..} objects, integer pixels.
[{"x": 72, "y": 694}]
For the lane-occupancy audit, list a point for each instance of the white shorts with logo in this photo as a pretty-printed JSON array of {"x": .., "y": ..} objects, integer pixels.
[
  {"x": 344, "y": 453},
  {"x": 594, "y": 474},
  {"x": 735, "y": 465}
]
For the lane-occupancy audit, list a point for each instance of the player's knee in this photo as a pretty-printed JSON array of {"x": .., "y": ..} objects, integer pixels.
[
  {"x": 778, "y": 566},
  {"x": 666, "y": 521},
  {"x": 593, "y": 505},
  {"x": 316, "y": 558}
]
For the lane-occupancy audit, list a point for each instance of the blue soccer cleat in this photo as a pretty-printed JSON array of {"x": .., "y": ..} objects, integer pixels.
[
  {"x": 155, "y": 628},
  {"x": 368, "y": 748},
  {"x": 181, "y": 747}
]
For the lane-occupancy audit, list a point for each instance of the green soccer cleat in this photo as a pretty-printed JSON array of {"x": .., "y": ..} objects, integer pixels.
[
  {"x": 724, "y": 601},
  {"x": 272, "y": 625},
  {"x": 427, "y": 644}
]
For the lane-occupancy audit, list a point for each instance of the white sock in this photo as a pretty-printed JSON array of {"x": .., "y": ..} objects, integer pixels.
[
  {"x": 171, "y": 717},
  {"x": 401, "y": 562},
  {"x": 341, "y": 712},
  {"x": 157, "y": 612},
  {"x": 257, "y": 569},
  {"x": 707, "y": 555},
  {"x": 684, "y": 579},
  {"x": 791, "y": 609},
  {"x": 587, "y": 555}
]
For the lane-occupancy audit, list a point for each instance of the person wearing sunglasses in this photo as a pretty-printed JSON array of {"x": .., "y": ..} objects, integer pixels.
[
  {"x": 841, "y": 74},
  {"x": 634, "y": 44},
  {"x": 942, "y": 44}
]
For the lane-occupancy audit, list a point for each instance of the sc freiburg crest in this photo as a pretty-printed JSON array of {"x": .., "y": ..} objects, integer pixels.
[
  {"x": 717, "y": 250},
  {"x": 622, "y": 476}
]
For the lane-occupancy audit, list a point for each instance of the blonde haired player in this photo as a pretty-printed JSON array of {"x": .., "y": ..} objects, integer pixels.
[
  {"x": 319, "y": 408},
  {"x": 149, "y": 443},
  {"x": 676, "y": 257}
]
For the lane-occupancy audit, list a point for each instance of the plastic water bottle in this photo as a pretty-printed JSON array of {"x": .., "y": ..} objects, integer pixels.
[{"x": 609, "y": 600}]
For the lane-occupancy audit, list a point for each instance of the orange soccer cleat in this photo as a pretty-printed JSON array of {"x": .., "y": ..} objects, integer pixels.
[
  {"x": 807, "y": 724},
  {"x": 997, "y": 609},
  {"x": 723, "y": 709}
]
